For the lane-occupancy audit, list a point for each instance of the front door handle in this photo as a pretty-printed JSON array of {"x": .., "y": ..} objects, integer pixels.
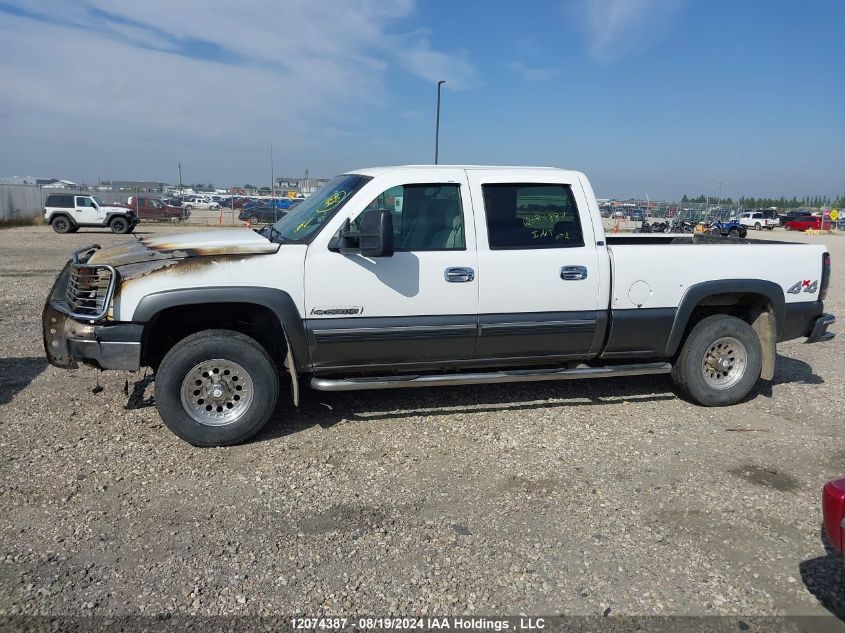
[
  {"x": 459, "y": 275},
  {"x": 573, "y": 273}
]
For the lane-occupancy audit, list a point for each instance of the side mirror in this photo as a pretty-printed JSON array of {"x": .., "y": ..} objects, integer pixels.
[{"x": 374, "y": 238}]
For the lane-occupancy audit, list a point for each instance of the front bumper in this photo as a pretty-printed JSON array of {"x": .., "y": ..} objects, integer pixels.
[
  {"x": 819, "y": 332},
  {"x": 68, "y": 342}
]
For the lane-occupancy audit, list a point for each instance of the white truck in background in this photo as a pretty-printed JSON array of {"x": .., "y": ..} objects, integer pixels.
[{"x": 478, "y": 275}]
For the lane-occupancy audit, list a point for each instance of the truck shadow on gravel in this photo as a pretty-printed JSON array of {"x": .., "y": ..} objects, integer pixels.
[
  {"x": 824, "y": 577},
  {"x": 326, "y": 409},
  {"x": 16, "y": 374},
  {"x": 787, "y": 370}
]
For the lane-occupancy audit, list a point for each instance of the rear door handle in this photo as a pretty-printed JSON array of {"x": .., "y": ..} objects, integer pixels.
[
  {"x": 459, "y": 275},
  {"x": 573, "y": 273}
]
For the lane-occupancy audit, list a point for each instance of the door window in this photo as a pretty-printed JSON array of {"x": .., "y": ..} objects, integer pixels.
[
  {"x": 426, "y": 217},
  {"x": 84, "y": 202},
  {"x": 527, "y": 216}
]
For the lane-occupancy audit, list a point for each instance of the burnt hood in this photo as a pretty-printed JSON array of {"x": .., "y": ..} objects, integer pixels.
[{"x": 183, "y": 245}]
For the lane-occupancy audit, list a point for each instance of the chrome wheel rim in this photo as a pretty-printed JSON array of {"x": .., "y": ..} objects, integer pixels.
[
  {"x": 217, "y": 392},
  {"x": 724, "y": 363}
]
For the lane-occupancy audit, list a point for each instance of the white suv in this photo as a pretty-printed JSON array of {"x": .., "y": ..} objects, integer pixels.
[{"x": 67, "y": 212}]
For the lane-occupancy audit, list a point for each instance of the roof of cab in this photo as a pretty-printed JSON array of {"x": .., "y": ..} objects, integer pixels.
[{"x": 378, "y": 171}]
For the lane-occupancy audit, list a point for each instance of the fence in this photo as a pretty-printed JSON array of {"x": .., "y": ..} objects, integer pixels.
[{"x": 19, "y": 202}]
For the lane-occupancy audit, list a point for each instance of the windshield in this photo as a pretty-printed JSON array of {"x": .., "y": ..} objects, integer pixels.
[
  {"x": 98, "y": 200},
  {"x": 303, "y": 222}
]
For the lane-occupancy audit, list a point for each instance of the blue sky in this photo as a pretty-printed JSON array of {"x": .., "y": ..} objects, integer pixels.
[{"x": 657, "y": 97}]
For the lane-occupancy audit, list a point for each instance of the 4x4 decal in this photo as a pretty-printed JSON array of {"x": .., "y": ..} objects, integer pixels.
[{"x": 806, "y": 285}]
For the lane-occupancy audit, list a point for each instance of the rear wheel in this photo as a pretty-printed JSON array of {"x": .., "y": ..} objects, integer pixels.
[
  {"x": 720, "y": 361},
  {"x": 757, "y": 226},
  {"x": 61, "y": 224},
  {"x": 216, "y": 387},
  {"x": 119, "y": 225},
  {"x": 733, "y": 233}
]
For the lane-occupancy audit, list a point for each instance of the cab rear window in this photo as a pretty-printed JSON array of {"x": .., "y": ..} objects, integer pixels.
[{"x": 528, "y": 216}]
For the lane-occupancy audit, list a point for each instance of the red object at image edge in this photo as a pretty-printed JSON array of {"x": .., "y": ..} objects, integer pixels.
[{"x": 833, "y": 507}]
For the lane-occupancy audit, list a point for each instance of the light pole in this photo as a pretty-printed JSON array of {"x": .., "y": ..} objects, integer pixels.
[
  {"x": 719, "y": 203},
  {"x": 437, "y": 124},
  {"x": 180, "y": 179}
]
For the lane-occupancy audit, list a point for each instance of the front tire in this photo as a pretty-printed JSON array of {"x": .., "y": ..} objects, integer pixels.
[
  {"x": 216, "y": 388},
  {"x": 120, "y": 225},
  {"x": 733, "y": 233},
  {"x": 720, "y": 361}
]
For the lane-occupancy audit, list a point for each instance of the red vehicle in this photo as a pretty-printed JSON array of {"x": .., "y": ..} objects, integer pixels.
[
  {"x": 155, "y": 209},
  {"x": 805, "y": 222},
  {"x": 833, "y": 508}
]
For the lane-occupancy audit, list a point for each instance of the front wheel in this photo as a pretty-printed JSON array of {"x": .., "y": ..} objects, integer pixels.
[
  {"x": 720, "y": 361},
  {"x": 733, "y": 233},
  {"x": 216, "y": 388},
  {"x": 119, "y": 225}
]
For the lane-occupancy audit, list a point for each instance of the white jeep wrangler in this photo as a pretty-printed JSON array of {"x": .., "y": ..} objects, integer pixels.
[{"x": 67, "y": 212}]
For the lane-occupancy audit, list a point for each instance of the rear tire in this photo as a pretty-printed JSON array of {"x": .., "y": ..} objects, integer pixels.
[
  {"x": 720, "y": 361},
  {"x": 120, "y": 225},
  {"x": 733, "y": 233},
  {"x": 239, "y": 385},
  {"x": 61, "y": 224},
  {"x": 757, "y": 226}
]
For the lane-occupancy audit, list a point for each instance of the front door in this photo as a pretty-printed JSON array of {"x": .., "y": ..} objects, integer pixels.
[
  {"x": 85, "y": 211},
  {"x": 410, "y": 311},
  {"x": 539, "y": 266}
]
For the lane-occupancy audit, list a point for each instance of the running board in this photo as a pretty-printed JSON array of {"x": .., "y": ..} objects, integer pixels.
[{"x": 516, "y": 375}]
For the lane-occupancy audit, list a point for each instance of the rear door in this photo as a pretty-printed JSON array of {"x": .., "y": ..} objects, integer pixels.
[
  {"x": 539, "y": 268},
  {"x": 415, "y": 309}
]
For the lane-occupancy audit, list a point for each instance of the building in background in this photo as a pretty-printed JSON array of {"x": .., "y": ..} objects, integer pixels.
[
  {"x": 48, "y": 183},
  {"x": 134, "y": 185},
  {"x": 299, "y": 187}
]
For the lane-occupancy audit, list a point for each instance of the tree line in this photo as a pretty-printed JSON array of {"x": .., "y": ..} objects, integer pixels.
[{"x": 783, "y": 203}]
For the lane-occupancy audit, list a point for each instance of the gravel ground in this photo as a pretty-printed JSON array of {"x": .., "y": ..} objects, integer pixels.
[{"x": 587, "y": 497}]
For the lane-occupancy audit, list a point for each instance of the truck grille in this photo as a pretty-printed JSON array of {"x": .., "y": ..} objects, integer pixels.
[{"x": 89, "y": 290}]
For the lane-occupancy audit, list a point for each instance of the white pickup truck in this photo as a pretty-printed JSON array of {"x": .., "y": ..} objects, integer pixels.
[{"x": 430, "y": 275}]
